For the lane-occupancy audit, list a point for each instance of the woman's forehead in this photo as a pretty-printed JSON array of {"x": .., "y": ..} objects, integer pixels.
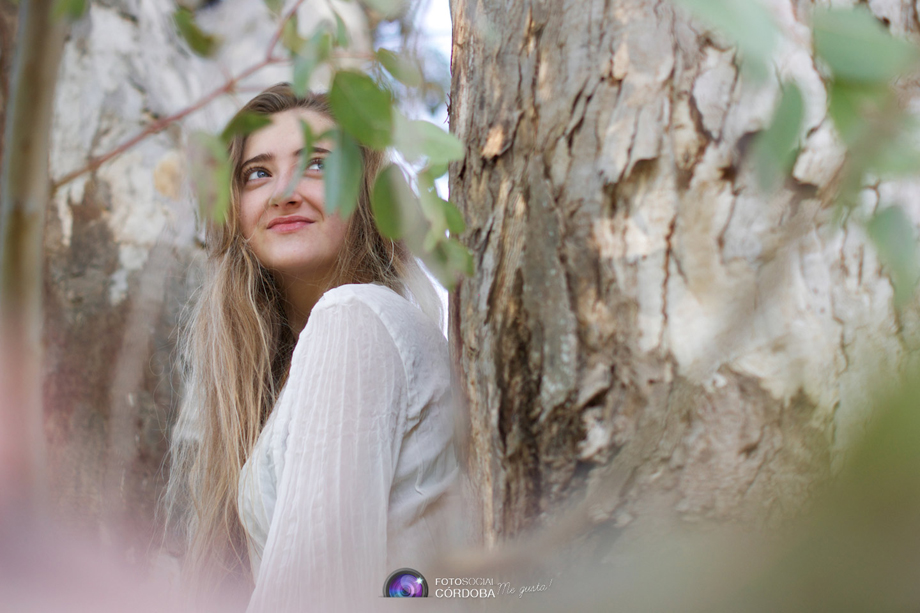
[{"x": 285, "y": 132}]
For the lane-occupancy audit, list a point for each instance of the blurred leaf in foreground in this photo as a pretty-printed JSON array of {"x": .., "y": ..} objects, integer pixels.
[
  {"x": 416, "y": 139},
  {"x": 403, "y": 69},
  {"x": 893, "y": 235},
  {"x": 858, "y": 48},
  {"x": 362, "y": 109},
  {"x": 244, "y": 124},
  {"x": 775, "y": 147},
  {"x": 200, "y": 42},
  {"x": 747, "y": 23},
  {"x": 342, "y": 173},
  {"x": 210, "y": 172},
  {"x": 387, "y": 9},
  {"x": 69, "y": 9},
  {"x": 392, "y": 201}
]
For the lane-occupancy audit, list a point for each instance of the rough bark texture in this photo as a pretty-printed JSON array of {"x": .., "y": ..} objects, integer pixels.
[
  {"x": 642, "y": 315},
  {"x": 122, "y": 253}
]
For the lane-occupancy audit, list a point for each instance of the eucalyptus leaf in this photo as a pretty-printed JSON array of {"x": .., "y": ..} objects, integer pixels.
[
  {"x": 416, "y": 139},
  {"x": 852, "y": 104},
  {"x": 747, "y": 23},
  {"x": 459, "y": 257},
  {"x": 275, "y": 6},
  {"x": 300, "y": 80},
  {"x": 392, "y": 203},
  {"x": 388, "y": 9},
  {"x": 341, "y": 32},
  {"x": 306, "y": 154},
  {"x": 313, "y": 52},
  {"x": 244, "y": 124},
  {"x": 775, "y": 147},
  {"x": 892, "y": 233},
  {"x": 858, "y": 48},
  {"x": 199, "y": 42},
  {"x": 70, "y": 10},
  {"x": 210, "y": 172},
  {"x": 897, "y": 157},
  {"x": 403, "y": 70},
  {"x": 290, "y": 36},
  {"x": 447, "y": 260},
  {"x": 455, "y": 221},
  {"x": 433, "y": 210},
  {"x": 436, "y": 170},
  {"x": 343, "y": 172},
  {"x": 362, "y": 108}
]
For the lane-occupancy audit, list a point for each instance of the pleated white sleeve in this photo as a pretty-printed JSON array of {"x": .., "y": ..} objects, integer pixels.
[{"x": 326, "y": 548}]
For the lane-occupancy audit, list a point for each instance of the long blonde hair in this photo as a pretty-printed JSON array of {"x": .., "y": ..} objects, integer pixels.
[{"x": 236, "y": 348}]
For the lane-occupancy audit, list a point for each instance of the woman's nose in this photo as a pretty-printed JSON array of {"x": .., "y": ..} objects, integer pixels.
[{"x": 286, "y": 191}]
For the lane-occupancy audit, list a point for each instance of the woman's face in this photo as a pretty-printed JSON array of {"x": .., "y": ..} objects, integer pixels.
[{"x": 291, "y": 235}]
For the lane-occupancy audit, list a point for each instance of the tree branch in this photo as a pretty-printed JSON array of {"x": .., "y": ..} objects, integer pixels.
[{"x": 161, "y": 124}]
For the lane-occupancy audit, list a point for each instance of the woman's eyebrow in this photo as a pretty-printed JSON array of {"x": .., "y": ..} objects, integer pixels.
[
  {"x": 262, "y": 157},
  {"x": 268, "y": 157}
]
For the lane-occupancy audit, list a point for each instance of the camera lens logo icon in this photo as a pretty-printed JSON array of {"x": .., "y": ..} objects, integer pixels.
[{"x": 405, "y": 583}]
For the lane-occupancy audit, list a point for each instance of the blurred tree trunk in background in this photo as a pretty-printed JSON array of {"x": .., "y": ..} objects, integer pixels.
[
  {"x": 122, "y": 256},
  {"x": 642, "y": 317}
]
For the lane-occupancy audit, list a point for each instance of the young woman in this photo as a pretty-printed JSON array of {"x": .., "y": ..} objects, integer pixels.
[{"x": 316, "y": 439}]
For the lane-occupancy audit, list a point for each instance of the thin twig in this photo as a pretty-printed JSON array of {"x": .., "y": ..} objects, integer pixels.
[{"x": 161, "y": 124}]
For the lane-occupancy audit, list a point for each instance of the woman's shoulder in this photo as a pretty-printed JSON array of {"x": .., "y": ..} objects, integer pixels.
[
  {"x": 418, "y": 338},
  {"x": 404, "y": 320}
]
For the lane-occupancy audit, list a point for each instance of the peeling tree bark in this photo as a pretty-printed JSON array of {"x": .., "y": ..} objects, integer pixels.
[{"x": 642, "y": 316}]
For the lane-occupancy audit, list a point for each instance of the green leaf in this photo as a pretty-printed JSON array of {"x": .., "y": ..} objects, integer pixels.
[
  {"x": 459, "y": 257},
  {"x": 455, "y": 222},
  {"x": 392, "y": 203},
  {"x": 70, "y": 10},
  {"x": 244, "y": 124},
  {"x": 303, "y": 69},
  {"x": 747, "y": 23},
  {"x": 306, "y": 154},
  {"x": 858, "y": 48},
  {"x": 403, "y": 70},
  {"x": 893, "y": 235},
  {"x": 897, "y": 157},
  {"x": 344, "y": 169},
  {"x": 341, "y": 32},
  {"x": 416, "y": 139},
  {"x": 275, "y": 6},
  {"x": 853, "y": 105},
  {"x": 388, "y": 9},
  {"x": 362, "y": 109},
  {"x": 775, "y": 147},
  {"x": 210, "y": 172},
  {"x": 313, "y": 52},
  {"x": 290, "y": 36},
  {"x": 199, "y": 42},
  {"x": 447, "y": 260},
  {"x": 435, "y": 170},
  {"x": 442, "y": 214}
]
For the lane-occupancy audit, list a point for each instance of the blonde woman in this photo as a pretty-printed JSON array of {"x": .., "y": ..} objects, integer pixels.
[{"x": 316, "y": 440}]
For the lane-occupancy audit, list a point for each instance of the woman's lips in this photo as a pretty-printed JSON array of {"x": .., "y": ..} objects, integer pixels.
[
  {"x": 288, "y": 223},
  {"x": 284, "y": 227}
]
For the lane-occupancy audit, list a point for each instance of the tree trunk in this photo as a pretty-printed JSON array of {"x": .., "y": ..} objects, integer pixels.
[{"x": 646, "y": 325}]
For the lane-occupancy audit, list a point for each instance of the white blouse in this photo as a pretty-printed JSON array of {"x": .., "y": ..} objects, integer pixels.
[{"x": 348, "y": 479}]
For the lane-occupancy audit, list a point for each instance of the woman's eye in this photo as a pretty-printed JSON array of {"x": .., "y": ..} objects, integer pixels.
[
  {"x": 255, "y": 173},
  {"x": 316, "y": 164}
]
